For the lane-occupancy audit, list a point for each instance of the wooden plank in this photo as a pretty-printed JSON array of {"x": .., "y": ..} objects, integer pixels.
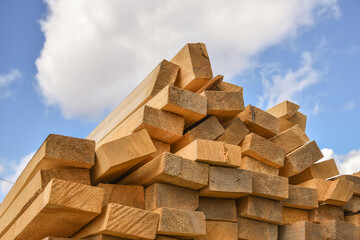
[
  {"x": 263, "y": 150},
  {"x": 321, "y": 185},
  {"x": 235, "y": 132},
  {"x": 302, "y": 231},
  {"x": 212, "y": 152},
  {"x": 209, "y": 129},
  {"x": 339, "y": 192},
  {"x": 292, "y": 215},
  {"x": 164, "y": 74},
  {"x": 168, "y": 168},
  {"x": 181, "y": 223},
  {"x": 105, "y": 237},
  {"x": 161, "y": 195},
  {"x": 224, "y": 105},
  {"x": 354, "y": 179},
  {"x": 128, "y": 195},
  {"x": 249, "y": 163},
  {"x": 195, "y": 69},
  {"x": 159, "y": 237},
  {"x": 191, "y": 106},
  {"x": 218, "y": 209},
  {"x": 325, "y": 213},
  {"x": 220, "y": 230},
  {"x": 210, "y": 84},
  {"x": 284, "y": 110},
  {"x": 353, "y": 205},
  {"x": 60, "y": 210},
  {"x": 325, "y": 169},
  {"x": 260, "y": 122},
  {"x": 226, "y": 86},
  {"x": 354, "y": 219},
  {"x": 290, "y": 139},
  {"x": 261, "y": 209},
  {"x": 301, "y": 197},
  {"x": 57, "y": 238},
  {"x": 297, "y": 119},
  {"x": 115, "y": 158},
  {"x": 56, "y": 152},
  {"x": 227, "y": 183},
  {"x": 122, "y": 221},
  {"x": 250, "y": 229},
  {"x": 300, "y": 159},
  {"x": 269, "y": 186},
  {"x": 35, "y": 187},
  {"x": 341, "y": 230},
  {"x": 161, "y": 125}
]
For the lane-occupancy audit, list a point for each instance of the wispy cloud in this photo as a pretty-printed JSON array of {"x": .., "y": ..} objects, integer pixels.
[
  {"x": 6, "y": 80},
  {"x": 349, "y": 105},
  {"x": 347, "y": 163}
]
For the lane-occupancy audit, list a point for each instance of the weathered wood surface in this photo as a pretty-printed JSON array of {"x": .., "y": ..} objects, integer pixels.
[
  {"x": 292, "y": 215},
  {"x": 122, "y": 221},
  {"x": 301, "y": 197},
  {"x": 161, "y": 195},
  {"x": 220, "y": 230},
  {"x": 227, "y": 183},
  {"x": 128, "y": 195},
  {"x": 211, "y": 83},
  {"x": 325, "y": 213},
  {"x": 164, "y": 74},
  {"x": 249, "y": 163},
  {"x": 235, "y": 132},
  {"x": 354, "y": 179},
  {"x": 353, "y": 205},
  {"x": 60, "y": 210},
  {"x": 256, "y": 230},
  {"x": 263, "y": 150},
  {"x": 218, "y": 209},
  {"x": 172, "y": 169},
  {"x": 302, "y": 231},
  {"x": 297, "y": 119},
  {"x": 354, "y": 219},
  {"x": 195, "y": 69},
  {"x": 212, "y": 152},
  {"x": 341, "y": 230},
  {"x": 269, "y": 186},
  {"x": 284, "y": 110}
]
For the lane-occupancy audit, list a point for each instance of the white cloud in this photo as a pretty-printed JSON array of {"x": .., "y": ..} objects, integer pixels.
[
  {"x": 6, "y": 79},
  {"x": 348, "y": 163},
  {"x": 349, "y": 105},
  {"x": 328, "y": 154},
  {"x": 96, "y": 52}
]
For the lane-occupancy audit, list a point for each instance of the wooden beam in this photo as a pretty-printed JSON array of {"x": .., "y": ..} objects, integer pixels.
[
  {"x": 106, "y": 237},
  {"x": 57, "y": 238},
  {"x": 325, "y": 213},
  {"x": 210, "y": 84},
  {"x": 302, "y": 197},
  {"x": 220, "y": 230},
  {"x": 302, "y": 231},
  {"x": 115, "y": 220},
  {"x": 354, "y": 219},
  {"x": 60, "y": 210},
  {"x": 164, "y": 74},
  {"x": 325, "y": 169},
  {"x": 218, "y": 209},
  {"x": 292, "y": 215},
  {"x": 195, "y": 69},
  {"x": 168, "y": 168},
  {"x": 263, "y": 150},
  {"x": 191, "y": 106},
  {"x": 226, "y": 86},
  {"x": 227, "y": 183},
  {"x": 161, "y": 195},
  {"x": 353, "y": 205},
  {"x": 235, "y": 132},
  {"x": 181, "y": 223},
  {"x": 297, "y": 119},
  {"x": 209, "y": 129},
  {"x": 128, "y": 195},
  {"x": 341, "y": 230},
  {"x": 290, "y": 139},
  {"x": 250, "y": 229},
  {"x": 269, "y": 186},
  {"x": 354, "y": 179},
  {"x": 249, "y": 163},
  {"x": 116, "y": 157},
  {"x": 261, "y": 209},
  {"x": 300, "y": 159},
  {"x": 284, "y": 110},
  {"x": 260, "y": 122},
  {"x": 56, "y": 152},
  {"x": 212, "y": 152}
]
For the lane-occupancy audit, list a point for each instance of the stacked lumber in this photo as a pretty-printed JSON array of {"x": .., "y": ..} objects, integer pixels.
[{"x": 182, "y": 158}]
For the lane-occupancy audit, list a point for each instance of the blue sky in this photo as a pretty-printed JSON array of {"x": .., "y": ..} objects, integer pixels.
[{"x": 65, "y": 64}]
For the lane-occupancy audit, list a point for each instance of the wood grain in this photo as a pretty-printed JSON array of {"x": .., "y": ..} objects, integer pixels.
[{"x": 218, "y": 209}]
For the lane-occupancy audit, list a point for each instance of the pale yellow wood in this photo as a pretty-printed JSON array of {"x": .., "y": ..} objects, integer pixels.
[
  {"x": 284, "y": 110},
  {"x": 302, "y": 231},
  {"x": 182, "y": 223},
  {"x": 292, "y": 215},
  {"x": 227, "y": 183},
  {"x": 325, "y": 213},
  {"x": 290, "y": 139},
  {"x": 122, "y": 221},
  {"x": 353, "y": 205},
  {"x": 106, "y": 237},
  {"x": 57, "y": 238},
  {"x": 212, "y": 152},
  {"x": 261, "y": 209},
  {"x": 269, "y": 186},
  {"x": 216, "y": 230},
  {"x": 191, "y": 106},
  {"x": 164, "y": 74},
  {"x": 263, "y": 150},
  {"x": 161, "y": 195},
  {"x": 172, "y": 169},
  {"x": 325, "y": 169},
  {"x": 301, "y": 197},
  {"x": 300, "y": 159},
  {"x": 128, "y": 195},
  {"x": 354, "y": 179},
  {"x": 60, "y": 210},
  {"x": 226, "y": 86},
  {"x": 209, "y": 129},
  {"x": 218, "y": 209},
  {"x": 56, "y": 152},
  {"x": 260, "y": 122},
  {"x": 354, "y": 219},
  {"x": 297, "y": 119},
  {"x": 339, "y": 192},
  {"x": 116, "y": 157},
  {"x": 235, "y": 132},
  {"x": 341, "y": 230},
  {"x": 159, "y": 237},
  {"x": 249, "y": 163},
  {"x": 210, "y": 84},
  {"x": 195, "y": 69},
  {"x": 256, "y": 230}
]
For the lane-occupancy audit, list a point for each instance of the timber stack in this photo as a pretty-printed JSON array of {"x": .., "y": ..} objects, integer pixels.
[{"x": 181, "y": 157}]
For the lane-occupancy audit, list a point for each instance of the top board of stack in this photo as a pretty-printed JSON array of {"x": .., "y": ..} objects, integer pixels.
[{"x": 181, "y": 157}]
